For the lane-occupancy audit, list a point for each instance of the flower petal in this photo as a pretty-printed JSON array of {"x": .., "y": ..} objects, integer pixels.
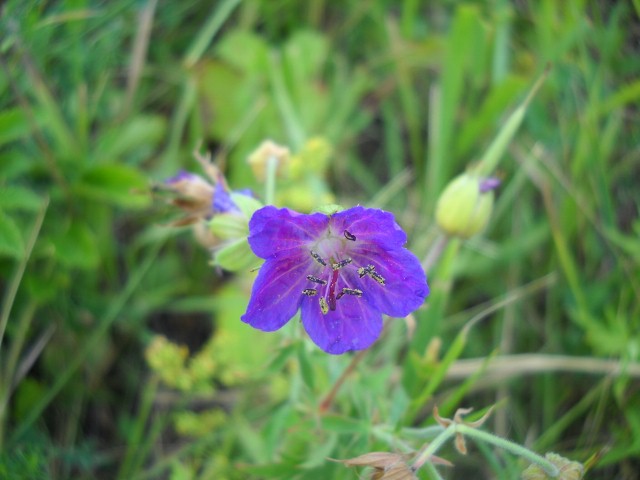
[
  {"x": 369, "y": 226},
  {"x": 354, "y": 325},
  {"x": 222, "y": 201},
  {"x": 276, "y": 294},
  {"x": 405, "y": 285},
  {"x": 281, "y": 232}
]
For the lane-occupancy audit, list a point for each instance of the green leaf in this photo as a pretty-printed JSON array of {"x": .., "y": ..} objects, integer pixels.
[
  {"x": 116, "y": 184},
  {"x": 305, "y": 54},
  {"x": 11, "y": 241},
  {"x": 13, "y": 197},
  {"x": 142, "y": 132},
  {"x": 13, "y": 125},
  {"x": 347, "y": 425},
  {"x": 254, "y": 52},
  {"x": 306, "y": 369},
  {"x": 77, "y": 247}
]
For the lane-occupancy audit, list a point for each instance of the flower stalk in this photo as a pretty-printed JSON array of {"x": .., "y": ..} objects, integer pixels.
[
  {"x": 459, "y": 429},
  {"x": 270, "y": 180},
  {"x": 508, "y": 445}
]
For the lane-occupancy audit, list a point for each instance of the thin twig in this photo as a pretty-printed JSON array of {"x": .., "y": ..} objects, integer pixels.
[
  {"x": 328, "y": 399},
  {"x": 140, "y": 46},
  {"x": 508, "y": 366}
]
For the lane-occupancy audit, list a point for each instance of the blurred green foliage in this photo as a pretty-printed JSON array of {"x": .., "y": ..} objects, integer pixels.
[{"x": 121, "y": 350}]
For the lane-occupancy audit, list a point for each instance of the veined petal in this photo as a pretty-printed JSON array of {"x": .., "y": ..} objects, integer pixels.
[
  {"x": 276, "y": 294},
  {"x": 405, "y": 285},
  {"x": 354, "y": 325},
  {"x": 369, "y": 226},
  {"x": 280, "y": 232}
]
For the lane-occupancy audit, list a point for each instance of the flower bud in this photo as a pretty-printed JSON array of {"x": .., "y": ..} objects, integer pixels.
[
  {"x": 259, "y": 159},
  {"x": 465, "y": 206},
  {"x": 235, "y": 256},
  {"x": 193, "y": 194},
  {"x": 568, "y": 470}
]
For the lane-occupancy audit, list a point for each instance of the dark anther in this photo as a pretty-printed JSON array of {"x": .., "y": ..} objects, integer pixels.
[
  {"x": 349, "y": 236},
  {"x": 352, "y": 291},
  {"x": 318, "y": 258},
  {"x": 371, "y": 271},
  {"x": 309, "y": 292},
  {"x": 378, "y": 278},
  {"x": 341, "y": 263},
  {"x": 317, "y": 280}
]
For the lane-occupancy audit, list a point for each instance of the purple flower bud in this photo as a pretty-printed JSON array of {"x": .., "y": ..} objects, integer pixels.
[{"x": 489, "y": 183}]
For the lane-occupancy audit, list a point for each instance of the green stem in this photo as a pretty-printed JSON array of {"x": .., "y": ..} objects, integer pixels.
[
  {"x": 434, "y": 446},
  {"x": 270, "y": 184},
  {"x": 486, "y": 437},
  {"x": 210, "y": 29},
  {"x": 10, "y": 295},
  {"x": 509, "y": 446}
]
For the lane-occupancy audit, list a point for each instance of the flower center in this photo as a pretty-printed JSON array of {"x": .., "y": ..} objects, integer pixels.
[{"x": 333, "y": 259}]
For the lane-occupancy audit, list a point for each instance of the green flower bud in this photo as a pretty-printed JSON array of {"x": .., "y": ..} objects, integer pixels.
[
  {"x": 236, "y": 256},
  {"x": 226, "y": 227},
  {"x": 465, "y": 206},
  {"x": 568, "y": 470},
  {"x": 329, "y": 209}
]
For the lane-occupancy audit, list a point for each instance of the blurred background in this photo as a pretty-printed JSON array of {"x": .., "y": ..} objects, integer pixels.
[{"x": 121, "y": 350}]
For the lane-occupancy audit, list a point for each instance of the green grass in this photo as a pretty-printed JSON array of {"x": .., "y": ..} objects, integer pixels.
[{"x": 382, "y": 103}]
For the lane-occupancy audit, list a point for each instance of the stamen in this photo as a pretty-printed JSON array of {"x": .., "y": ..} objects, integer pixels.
[
  {"x": 309, "y": 292},
  {"x": 341, "y": 263},
  {"x": 318, "y": 258},
  {"x": 317, "y": 280},
  {"x": 378, "y": 278},
  {"x": 349, "y": 236},
  {"x": 371, "y": 271},
  {"x": 324, "y": 308},
  {"x": 352, "y": 291}
]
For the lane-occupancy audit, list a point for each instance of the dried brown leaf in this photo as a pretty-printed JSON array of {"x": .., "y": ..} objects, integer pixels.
[
  {"x": 399, "y": 471},
  {"x": 481, "y": 420},
  {"x": 461, "y": 445},
  {"x": 374, "y": 459}
]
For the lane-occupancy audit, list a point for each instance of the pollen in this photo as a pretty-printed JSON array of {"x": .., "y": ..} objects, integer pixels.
[
  {"x": 341, "y": 264},
  {"x": 318, "y": 258},
  {"x": 324, "y": 307},
  {"x": 309, "y": 292},
  {"x": 317, "y": 280},
  {"x": 378, "y": 278},
  {"x": 370, "y": 270},
  {"x": 352, "y": 291}
]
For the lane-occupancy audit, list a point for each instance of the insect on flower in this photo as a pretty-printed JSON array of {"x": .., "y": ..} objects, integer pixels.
[{"x": 342, "y": 271}]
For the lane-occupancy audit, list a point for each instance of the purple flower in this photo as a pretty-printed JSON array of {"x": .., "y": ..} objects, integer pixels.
[{"x": 343, "y": 271}]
